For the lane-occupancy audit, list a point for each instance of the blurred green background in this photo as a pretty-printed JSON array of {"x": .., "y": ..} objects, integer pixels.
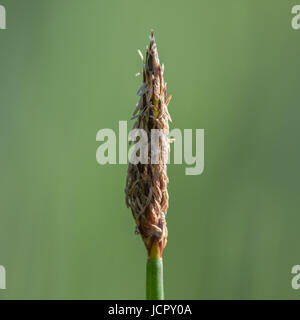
[{"x": 67, "y": 70}]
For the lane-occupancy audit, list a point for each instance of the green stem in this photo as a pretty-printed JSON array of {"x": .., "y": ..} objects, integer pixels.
[{"x": 154, "y": 279}]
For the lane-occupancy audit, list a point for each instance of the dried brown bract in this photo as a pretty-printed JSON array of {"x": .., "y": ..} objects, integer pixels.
[{"x": 146, "y": 184}]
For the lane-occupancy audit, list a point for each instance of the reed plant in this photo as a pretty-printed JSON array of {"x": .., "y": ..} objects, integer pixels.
[{"x": 146, "y": 184}]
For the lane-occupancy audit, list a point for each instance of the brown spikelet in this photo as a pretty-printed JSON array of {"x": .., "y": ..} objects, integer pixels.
[{"x": 146, "y": 184}]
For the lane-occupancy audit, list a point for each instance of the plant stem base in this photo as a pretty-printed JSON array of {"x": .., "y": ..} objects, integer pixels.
[{"x": 154, "y": 279}]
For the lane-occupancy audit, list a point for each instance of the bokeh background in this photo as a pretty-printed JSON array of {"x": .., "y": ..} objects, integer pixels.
[{"x": 67, "y": 69}]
